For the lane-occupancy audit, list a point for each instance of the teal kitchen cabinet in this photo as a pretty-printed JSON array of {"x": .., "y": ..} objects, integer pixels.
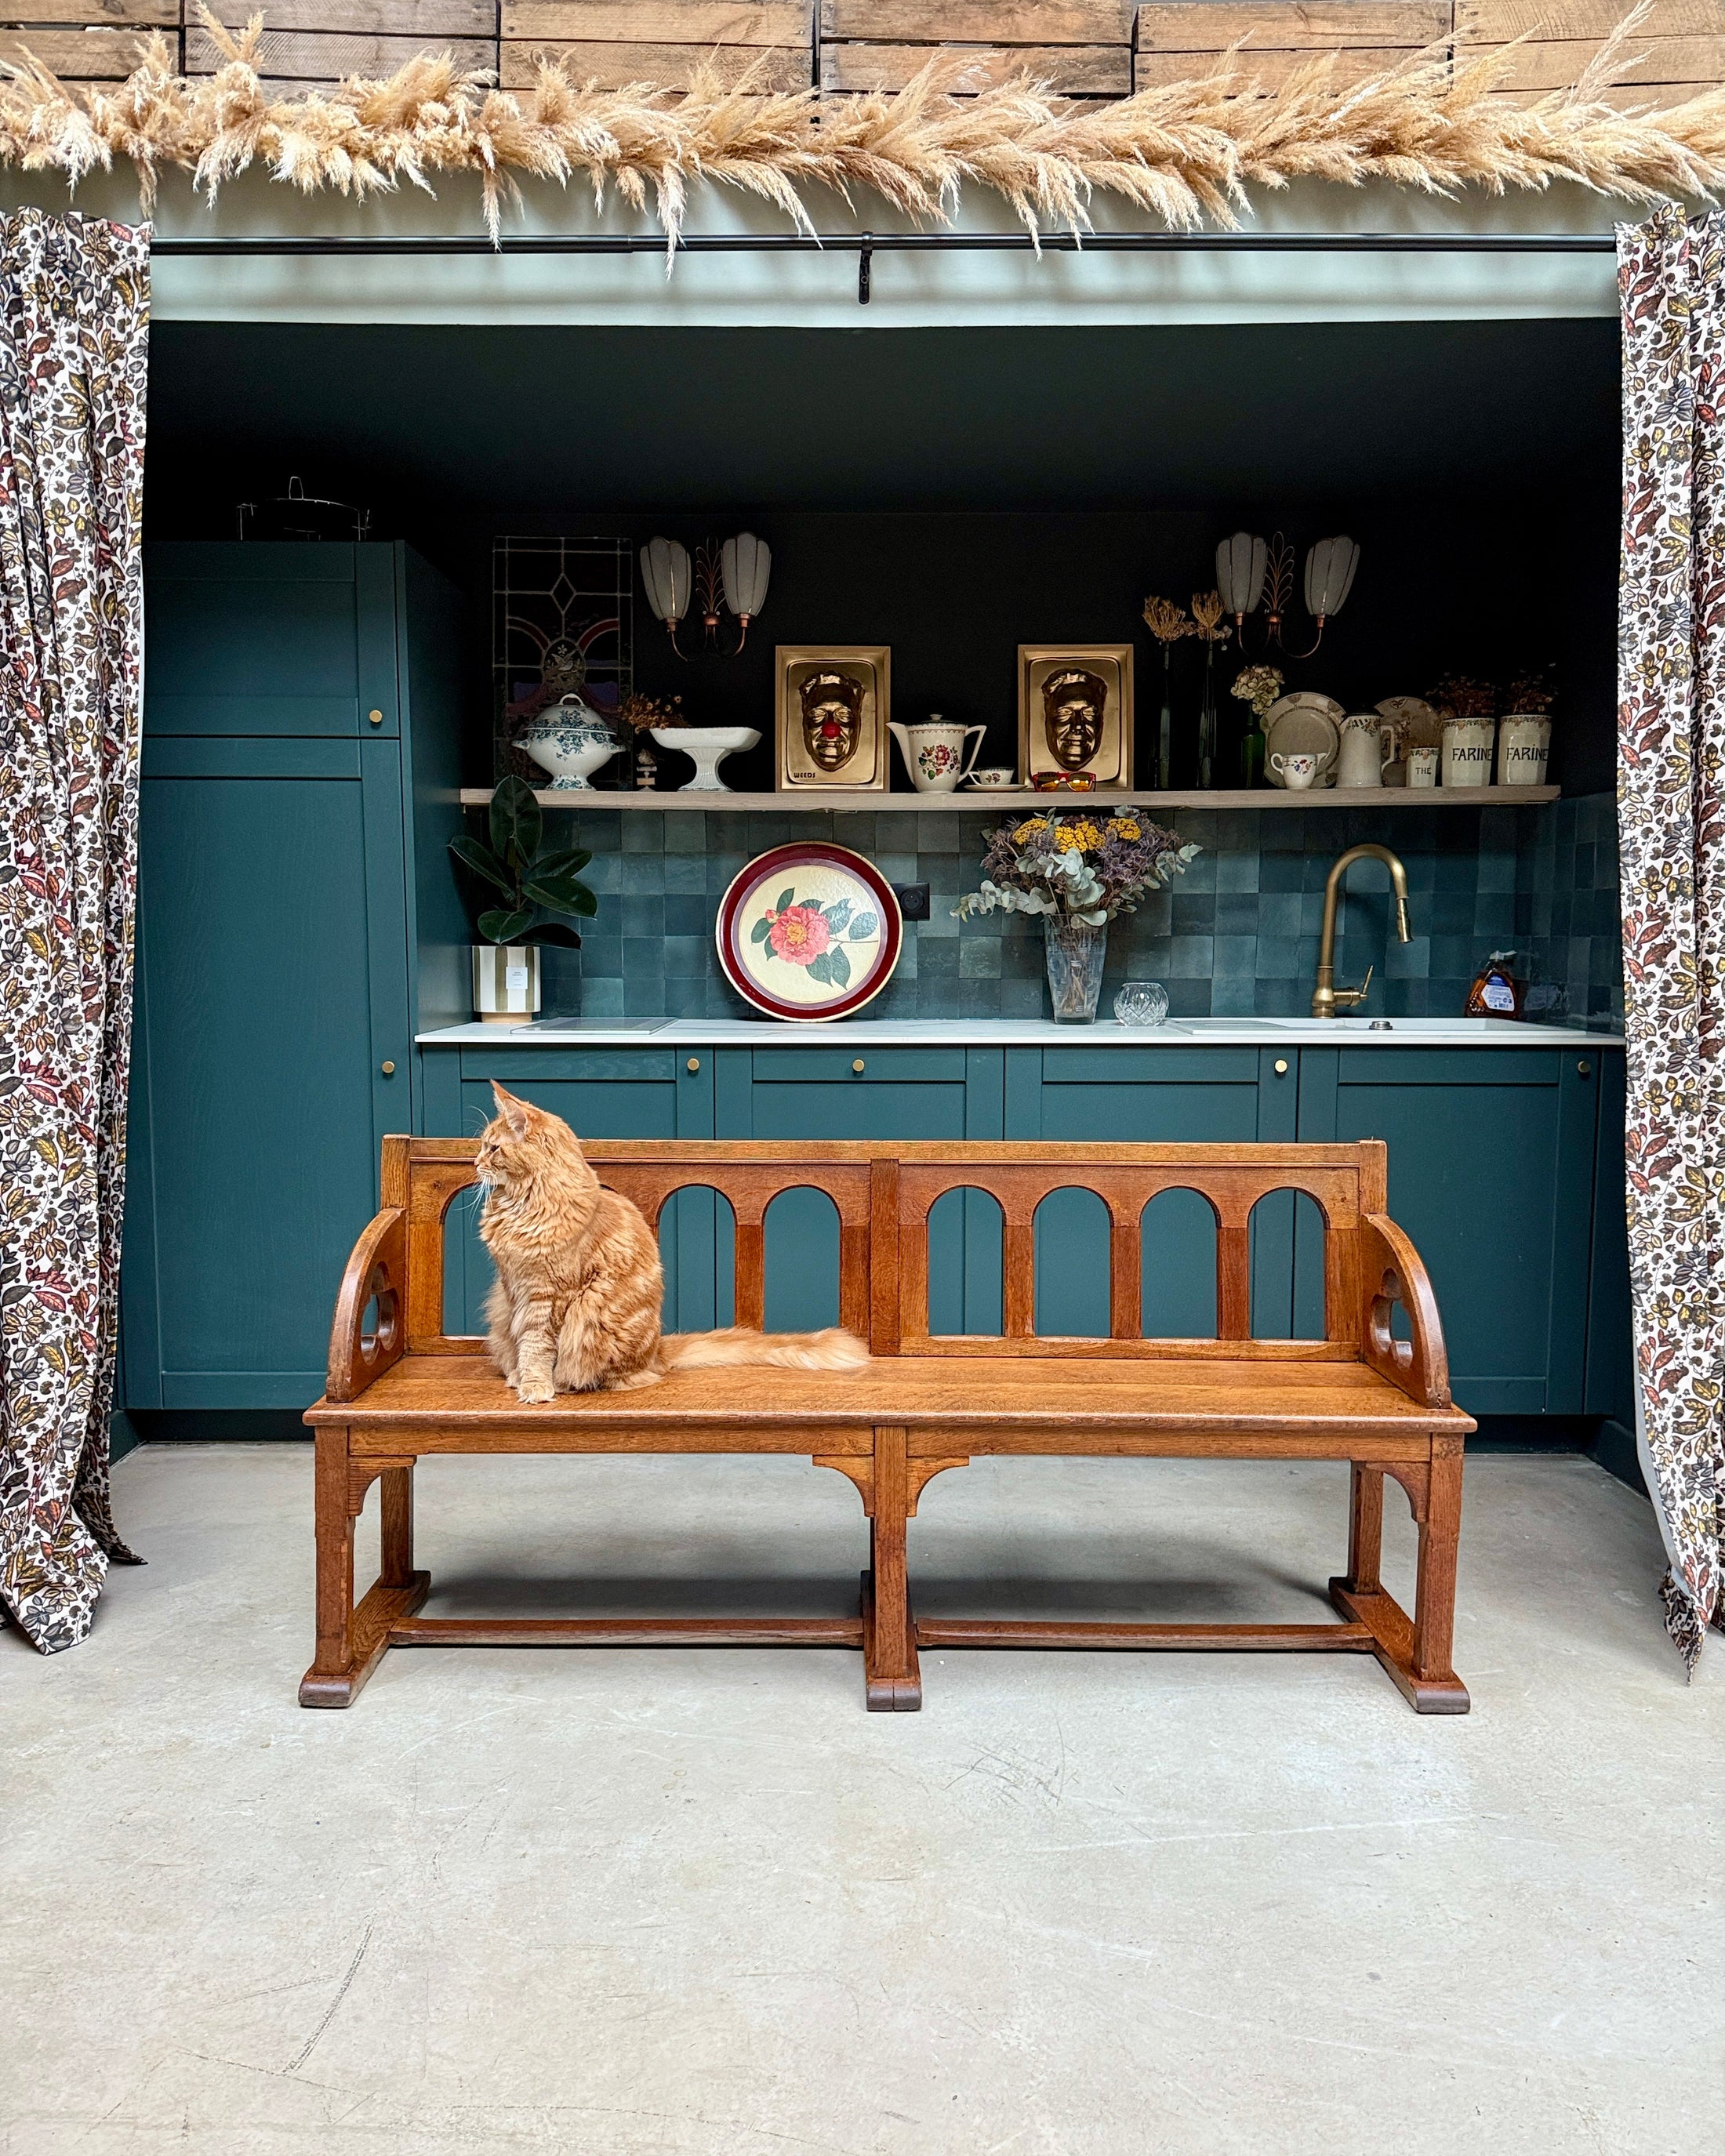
[
  {"x": 1493, "y": 1171},
  {"x": 284, "y": 954}
]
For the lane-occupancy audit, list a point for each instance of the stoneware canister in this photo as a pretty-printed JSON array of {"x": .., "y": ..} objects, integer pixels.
[
  {"x": 506, "y": 982},
  {"x": 1467, "y": 751},
  {"x": 1361, "y": 759},
  {"x": 1523, "y": 745}
]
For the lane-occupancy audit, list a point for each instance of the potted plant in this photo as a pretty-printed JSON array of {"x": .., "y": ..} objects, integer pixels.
[
  {"x": 1075, "y": 871},
  {"x": 505, "y": 960},
  {"x": 1524, "y": 730}
]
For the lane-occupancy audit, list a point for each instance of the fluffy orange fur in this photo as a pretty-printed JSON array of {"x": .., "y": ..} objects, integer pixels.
[{"x": 575, "y": 1306}]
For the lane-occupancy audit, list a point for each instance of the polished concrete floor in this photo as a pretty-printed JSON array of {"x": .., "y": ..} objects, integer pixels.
[{"x": 617, "y": 1902}]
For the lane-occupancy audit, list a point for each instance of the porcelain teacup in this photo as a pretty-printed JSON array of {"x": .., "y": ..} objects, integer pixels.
[
  {"x": 1297, "y": 771},
  {"x": 992, "y": 775}
]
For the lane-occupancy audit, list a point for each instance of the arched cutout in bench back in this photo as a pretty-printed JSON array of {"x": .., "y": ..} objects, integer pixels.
[
  {"x": 965, "y": 1237},
  {"x": 1072, "y": 1265},
  {"x": 697, "y": 1247},
  {"x": 802, "y": 1261},
  {"x": 1177, "y": 1243},
  {"x": 1287, "y": 1245}
]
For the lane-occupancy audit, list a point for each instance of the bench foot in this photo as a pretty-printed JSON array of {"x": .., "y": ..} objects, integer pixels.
[
  {"x": 889, "y": 1691},
  {"x": 1429, "y": 1692},
  {"x": 369, "y": 1629}
]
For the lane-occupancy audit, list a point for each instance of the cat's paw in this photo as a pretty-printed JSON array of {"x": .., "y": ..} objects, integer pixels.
[{"x": 536, "y": 1391}]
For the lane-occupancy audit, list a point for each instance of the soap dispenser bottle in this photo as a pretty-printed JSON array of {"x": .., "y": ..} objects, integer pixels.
[{"x": 1496, "y": 991}]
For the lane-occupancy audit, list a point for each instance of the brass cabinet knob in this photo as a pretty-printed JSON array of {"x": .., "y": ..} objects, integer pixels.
[
  {"x": 376, "y": 718},
  {"x": 388, "y": 1068},
  {"x": 694, "y": 1063},
  {"x": 1585, "y": 1068},
  {"x": 858, "y": 1066},
  {"x": 1281, "y": 1066}
]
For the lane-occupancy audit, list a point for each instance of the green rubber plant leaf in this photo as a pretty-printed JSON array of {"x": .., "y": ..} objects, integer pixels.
[
  {"x": 557, "y": 894},
  {"x": 517, "y": 824},
  {"x": 554, "y": 931},
  {"x": 569, "y": 861},
  {"x": 499, "y": 925},
  {"x": 479, "y": 857}
]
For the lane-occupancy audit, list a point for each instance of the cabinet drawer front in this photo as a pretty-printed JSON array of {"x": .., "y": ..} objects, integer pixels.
[
  {"x": 815, "y": 1066},
  {"x": 1460, "y": 1067},
  {"x": 1153, "y": 1066},
  {"x": 528, "y": 1066},
  {"x": 250, "y": 759}
]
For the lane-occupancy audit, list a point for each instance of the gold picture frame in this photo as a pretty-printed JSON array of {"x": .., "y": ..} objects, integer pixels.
[
  {"x": 833, "y": 732},
  {"x": 1095, "y": 721}
]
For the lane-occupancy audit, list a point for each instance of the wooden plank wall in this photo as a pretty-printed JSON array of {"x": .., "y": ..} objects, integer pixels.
[{"x": 1086, "y": 48}]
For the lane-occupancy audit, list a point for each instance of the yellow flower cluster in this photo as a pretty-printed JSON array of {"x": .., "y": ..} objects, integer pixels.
[
  {"x": 1083, "y": 835},
  {"x": 1125, "y": 826},
  {"x": 1028, "y": 830}
]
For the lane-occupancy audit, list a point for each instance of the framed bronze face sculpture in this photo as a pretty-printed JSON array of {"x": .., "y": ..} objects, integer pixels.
[
  {"x": 832, "y": 705},
  {"x": 1075, "y": 712}
]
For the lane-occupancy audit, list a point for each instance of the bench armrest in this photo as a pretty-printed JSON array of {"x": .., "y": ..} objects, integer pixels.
[
  {"x": 377, "y": 1267},
  {"x": 1391, "y": 1272}
]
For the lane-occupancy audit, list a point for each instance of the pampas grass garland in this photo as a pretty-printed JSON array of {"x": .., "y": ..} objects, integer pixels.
[{"x": 1182, "y": 152}]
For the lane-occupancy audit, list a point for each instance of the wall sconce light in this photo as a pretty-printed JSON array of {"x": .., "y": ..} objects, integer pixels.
[
  {"x": 1248, "y": 571},
  {"x": 734, "y": 576}
]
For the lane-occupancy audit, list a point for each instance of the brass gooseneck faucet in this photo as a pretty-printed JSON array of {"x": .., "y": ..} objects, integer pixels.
[{"x": 1327, "y": 998}]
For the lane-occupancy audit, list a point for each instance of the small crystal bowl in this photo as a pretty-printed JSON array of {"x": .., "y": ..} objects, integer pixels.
[{"x": 1141, "y": 1003}]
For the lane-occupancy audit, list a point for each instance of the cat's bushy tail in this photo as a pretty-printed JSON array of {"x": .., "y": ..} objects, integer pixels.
[{"x": 833, "y": 1349}]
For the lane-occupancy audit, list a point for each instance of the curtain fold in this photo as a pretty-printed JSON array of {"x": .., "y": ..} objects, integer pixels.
[
  {"x": 1671, "y": 826},
  {"x": 74, "y": 328}
]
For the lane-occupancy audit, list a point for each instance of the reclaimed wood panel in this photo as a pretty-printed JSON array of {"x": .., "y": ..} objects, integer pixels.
[
  {"x": 1685, "y": 62},
  {"x": 657, "y": 22},
  {"x": 301, "y": 56},
  {"x": 430, "y": 21},
  {"x": 141, "y": 14},
  {"x": 1072, "y": 70},
  {"x": 1276, "y": 26},
  {"x": 75, "y": 56},
  {"x": 1150, "y": 70},
  {"x": 670, "y": 67},
  {"x": 1496, "y": 21},
  {"x": 979, "y": 22}
]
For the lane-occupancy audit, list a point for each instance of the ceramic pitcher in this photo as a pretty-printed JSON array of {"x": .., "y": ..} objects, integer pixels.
[
  {"x": 934, "y": 753},
  {"x": 1363, "y": 755}
]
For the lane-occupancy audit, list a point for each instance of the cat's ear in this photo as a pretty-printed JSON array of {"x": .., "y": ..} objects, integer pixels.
[{"x": 516, "y": 1113}]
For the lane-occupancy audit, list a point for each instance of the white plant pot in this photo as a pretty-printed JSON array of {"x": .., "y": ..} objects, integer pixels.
[
  {"x": 1523, "y": 745},
  {"x": 505, "y": 983},
  {"x": 709, "y": 746},
  {"x": 1467, "y": 751}
]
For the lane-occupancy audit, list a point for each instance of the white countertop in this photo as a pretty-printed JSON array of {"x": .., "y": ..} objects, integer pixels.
[{"x": 1022, "y": 1033}]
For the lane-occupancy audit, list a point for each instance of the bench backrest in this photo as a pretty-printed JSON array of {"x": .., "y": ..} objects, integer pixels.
[{"x": 884, "y": 1193}]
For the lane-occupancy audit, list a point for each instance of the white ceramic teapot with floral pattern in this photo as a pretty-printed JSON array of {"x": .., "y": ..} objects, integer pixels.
[{"x": 934, "y": 753}]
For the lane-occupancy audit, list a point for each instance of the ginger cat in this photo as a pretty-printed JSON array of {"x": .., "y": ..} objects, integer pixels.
[{"x": 575, "y": 1306}]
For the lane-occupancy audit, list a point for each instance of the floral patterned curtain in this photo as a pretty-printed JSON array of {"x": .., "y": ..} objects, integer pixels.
[
  {"x": 74, "y": 325},
  {"x": 1671, "y": 764}
]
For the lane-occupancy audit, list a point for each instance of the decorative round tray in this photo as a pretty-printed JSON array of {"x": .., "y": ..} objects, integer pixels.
[
  {"x": 1304, "y": 724},
  {"x": 809, "y": 930}
]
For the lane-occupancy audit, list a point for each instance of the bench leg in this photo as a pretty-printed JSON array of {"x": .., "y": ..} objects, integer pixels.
[
  {"x": 894, "y": 1679},
  {"x": 1415, "y": 1653},
  {"x": 1365, "y": 1529},
  {"x": 350, "y": 1642}
]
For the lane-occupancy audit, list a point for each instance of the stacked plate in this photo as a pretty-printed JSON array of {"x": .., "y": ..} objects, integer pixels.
[{"x": 1304, "y": 724}]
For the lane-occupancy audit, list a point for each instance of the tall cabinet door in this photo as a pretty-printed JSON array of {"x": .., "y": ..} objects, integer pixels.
[{"x": 272, "y": 981}]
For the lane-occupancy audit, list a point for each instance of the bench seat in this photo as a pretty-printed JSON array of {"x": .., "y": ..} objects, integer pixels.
[{"x": 1373, "y": 1391}]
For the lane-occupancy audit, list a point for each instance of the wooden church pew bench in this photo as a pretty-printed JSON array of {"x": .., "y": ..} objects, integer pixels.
[{"x": 928, "y": 1403}]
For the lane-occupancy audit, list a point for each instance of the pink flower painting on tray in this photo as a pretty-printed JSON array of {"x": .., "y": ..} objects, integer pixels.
[{"x": 808, "y": 931}]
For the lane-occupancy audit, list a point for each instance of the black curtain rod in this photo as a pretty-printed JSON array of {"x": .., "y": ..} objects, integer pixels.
[{"x": 867, "y": 245}]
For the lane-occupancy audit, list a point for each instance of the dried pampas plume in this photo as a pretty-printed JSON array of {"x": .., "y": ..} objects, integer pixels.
[
  {"x": 1167, "y": 622},
  {"x": 1180, "y": 152}
]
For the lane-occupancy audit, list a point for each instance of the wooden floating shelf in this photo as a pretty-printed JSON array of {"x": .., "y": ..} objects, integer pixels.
[{"x": 983, "y": 803}]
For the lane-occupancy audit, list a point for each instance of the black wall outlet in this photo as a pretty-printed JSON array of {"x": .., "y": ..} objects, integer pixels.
[{"x": 912, "y": 900}]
